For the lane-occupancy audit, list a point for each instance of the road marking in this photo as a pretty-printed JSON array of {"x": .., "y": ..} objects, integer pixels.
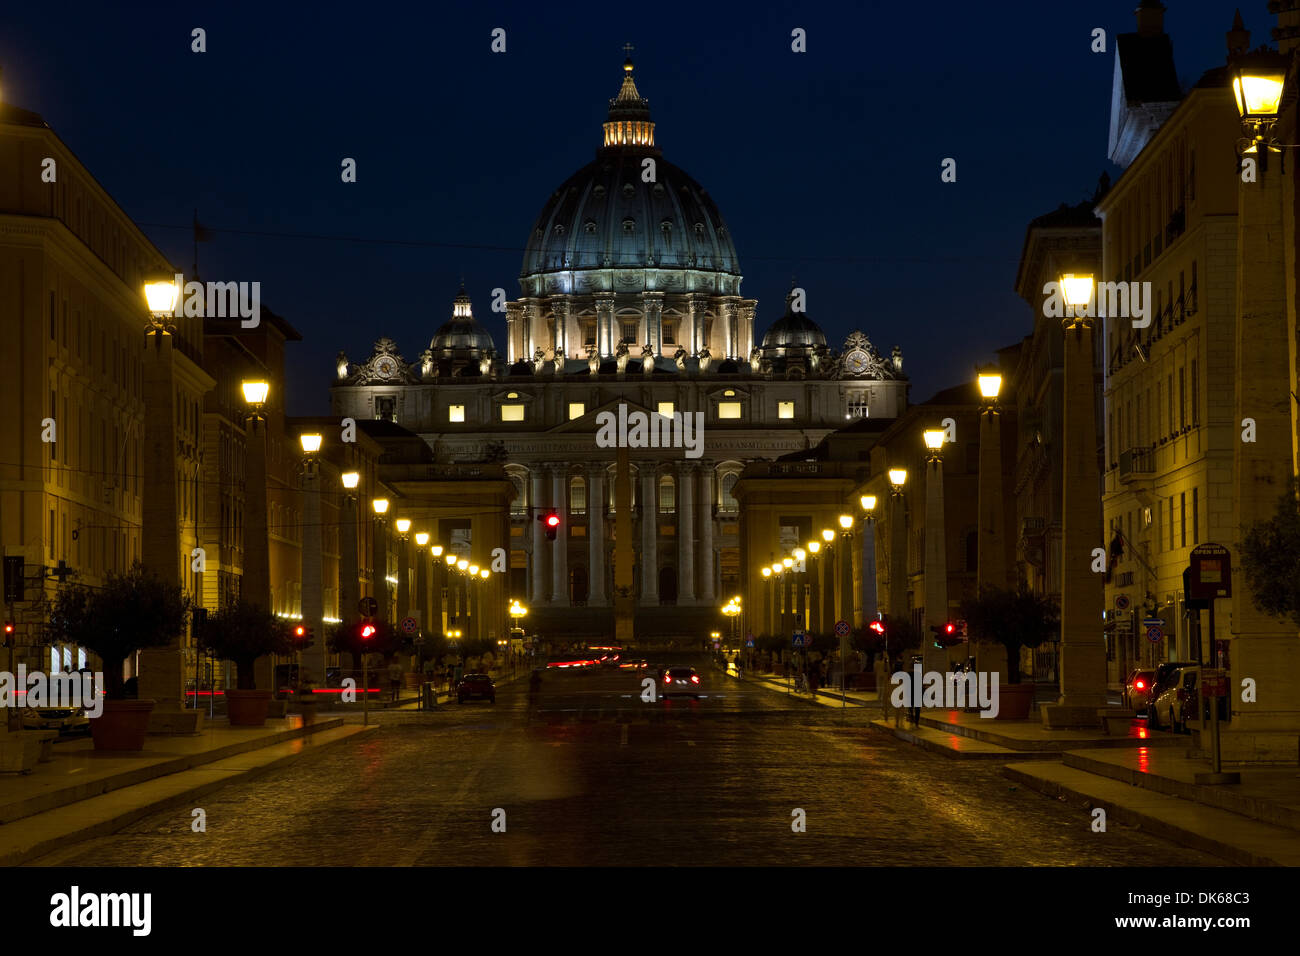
[{"x": 623, "y": 739}]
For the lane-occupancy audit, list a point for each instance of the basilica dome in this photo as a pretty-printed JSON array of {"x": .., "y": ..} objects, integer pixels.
[
  {"x": 794, "y": 330},
  {"x": 605, "y": 220},
  {"x": 461, "y": 336}
]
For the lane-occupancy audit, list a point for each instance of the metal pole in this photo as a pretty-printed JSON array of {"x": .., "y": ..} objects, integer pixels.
[{"x": 365, "y": 689}]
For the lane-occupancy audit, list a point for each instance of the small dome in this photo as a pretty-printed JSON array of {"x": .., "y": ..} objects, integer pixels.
[
  {"x": 461, "y": 336},
  {"x": 794, "y": 330}
]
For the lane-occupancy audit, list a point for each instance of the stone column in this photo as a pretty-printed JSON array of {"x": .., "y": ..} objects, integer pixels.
[
  {"x": 422, "y": 562},
  {"x": 512, "y": 330},
  {"x": 746, "y": 328},
  {"x": 539, "y": 563},
  {"x": 707, "y": 572},
  {"x": 560, "y": 546},
  {"x": 560, "y": 306},
  {"x": 653, "y": 303},
  {"x": 1263, "y": 647},
  {"x": 437, "y": 581},
  {"x": 826, "y": 580},
  {"x": 349, "y": 576},
  {"x": 696, "y": 306},
  {"x": 727, "y": 316},
  {"x": 596, "y": 536},
  {"x": 313, "y": 597},
  {"x": 649, "y": 535},
  {"x": 161, "y": 676},
  {"x": 1083, "y": 652},
  {"x": 845, "y": 561},
  {"x": 685, "y": 479},
  {"x": 403, "y": 576},
  {"x": 936, "y": 562},
  {"x": 605, "y": 338},
  {"x": 529, "y": 330},
  {"x": 814, "y": 593},
  {"x": 870, "y": 596},
  {"x": 379, "y": 558}
]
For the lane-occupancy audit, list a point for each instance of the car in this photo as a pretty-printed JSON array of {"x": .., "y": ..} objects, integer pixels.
[
  {"x": 633, "y": 665},
  {"x": 1178, "y": 698},
  {"x": 68, "y": 721},
  {"x": 1164, "y": 674},
  {"x": 1137, "y": 689},
  {"x": 476, "y": 685},
  {"x": 680, "y": 680}
]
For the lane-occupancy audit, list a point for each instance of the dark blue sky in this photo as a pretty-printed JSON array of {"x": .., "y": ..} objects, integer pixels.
[{"x": 824, "y": 164}]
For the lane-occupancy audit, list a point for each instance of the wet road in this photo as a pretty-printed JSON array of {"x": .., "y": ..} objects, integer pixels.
[{"x": 593, "y": 775}]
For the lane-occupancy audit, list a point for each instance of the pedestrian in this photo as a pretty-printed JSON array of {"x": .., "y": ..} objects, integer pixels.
[
  {"x": 812, "y": 679},
  {"x": 395, "y": 678}
]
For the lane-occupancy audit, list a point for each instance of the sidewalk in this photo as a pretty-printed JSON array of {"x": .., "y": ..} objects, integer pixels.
[{"x": 112, "y": 789}]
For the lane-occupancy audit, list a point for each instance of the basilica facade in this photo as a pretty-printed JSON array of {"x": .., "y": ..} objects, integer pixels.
[{"x": 629, "y": 296}]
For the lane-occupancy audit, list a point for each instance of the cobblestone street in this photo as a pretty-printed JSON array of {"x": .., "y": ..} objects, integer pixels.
[{"x": 597, "y": 777}]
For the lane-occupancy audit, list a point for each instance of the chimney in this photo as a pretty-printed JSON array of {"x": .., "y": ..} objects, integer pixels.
[{"x": 1150, "y": 18}]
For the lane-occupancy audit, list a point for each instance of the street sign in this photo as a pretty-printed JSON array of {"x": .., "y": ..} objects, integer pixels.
[
  {"x": 410, "y": 625},
  {"x": 1211, "y": 573},
  {"x": 1214, "y": 682},
  {"x": 797, "y": 640},
  {"x": 749, "y": 642},
  {"x": 367, "y": 607},
  {"x": 1155, "y": 634},
  {"x": 842, "y": 628},
  {"x": 1153, "y": 622},
  {"x": 1123, "y": 602}
]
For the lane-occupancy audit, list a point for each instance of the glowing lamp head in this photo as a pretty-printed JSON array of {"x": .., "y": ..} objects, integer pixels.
[
  {"x": 473, "y": 570},
  {"x": 310, "y": 443},
  {"x": 868, "y": 502},
  {"x": 814, "y": 546},
  {"x": 787, "y": 562},
  {"x": 161, "y": 295},
  {"x": 800, "y": 554},
  {"x": 437, "y": 551},
  {"x": 484, "y": 573},
  {"x": 990, "y": 383},
  {"x": 1076, "y": 290},
  {"x": 933, "y": 438},
  {"x": 898, "y": 477},
  {"x": 462, "y": 564},
  {"x": 380, "y": 505},
  {"x": 767, "y": 572},
  {"x": 403, "y": 525},
  {"x": 350, "y": 479},
  {"x": 255, "y": 392},
  {"x": 1257, "y": 83},
  {"x": 846, "y": 522},
  {"x": 451, "y": 560},
  {"x": 828, "y": 535},
  {"x": 422, "y": 538}
]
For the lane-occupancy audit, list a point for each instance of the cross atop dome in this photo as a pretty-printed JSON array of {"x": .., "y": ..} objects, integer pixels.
[{"x": 629, "y": 113}]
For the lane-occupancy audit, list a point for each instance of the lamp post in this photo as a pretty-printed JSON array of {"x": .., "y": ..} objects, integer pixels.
[
  {"x": 403, "y": 526},
  {"x": 800, "y": 567},
  {"x": 1083, "y": 653},
  {"x": 421, "y": 589},
  {"x": 768, "y": 593},
  {"x": 379, "y": 557},
  {"x": 826, "y": 573},
  {"x": 161, "y": 671},
  {"x": 870, "y": 597},
  {"x": 991, "y": 567},
  {"x": 845, "y": 561},
  {"x": 898, "y": 544},
  {"x": 437, "y": 574},
  {"x": 349, "y": 574},
  {"x": 814, "y": 548},
  {"x": 936, "y": 557},
  {"x": 255, "y": 583},
  {"x": 1263, "y": 646},
  {"x": 313, "y": 596}
]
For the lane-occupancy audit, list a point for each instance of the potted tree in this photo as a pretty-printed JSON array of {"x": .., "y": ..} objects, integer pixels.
[
  {"x": 1014, "y": 619},
  {"x": 242, "y": 632},
  {"x": 131, "y": 612}
]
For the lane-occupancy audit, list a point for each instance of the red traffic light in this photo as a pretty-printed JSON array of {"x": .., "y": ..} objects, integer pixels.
[
  {"x": 367, "y": 631},
  {"x": 877, "y": 626},
  {"x": 552, "y": 520},
  {"x": 949, "y": 627},
  {"x": 9, "y": 627},
  {"x": 300, "y": 631}
]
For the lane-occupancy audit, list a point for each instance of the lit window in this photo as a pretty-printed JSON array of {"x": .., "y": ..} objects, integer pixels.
[
  {"x": 729, "y": 392},
  {"x": 576, "y": 410},
  {"x": 785, "y": 409},
  {"x": 512, "y": 413},
  {"x": 456, "y": 413},
  {"x": 728, "y": 409},
  {"x": 666, "y": 409}
]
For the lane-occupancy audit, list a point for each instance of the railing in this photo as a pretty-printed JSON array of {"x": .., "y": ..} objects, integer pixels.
[{"x": 1136, "y": 462}]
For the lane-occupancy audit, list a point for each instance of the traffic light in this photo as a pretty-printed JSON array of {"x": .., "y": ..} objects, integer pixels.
[
  {"x": 9, "y": 633},
  {"x": 367, "y": 631},
  {"x": 302, "y": 637},
  {"x": 943, "y": 633},
  {"x": 878, "y": 627},
  {"x": 552, "y": 522}
]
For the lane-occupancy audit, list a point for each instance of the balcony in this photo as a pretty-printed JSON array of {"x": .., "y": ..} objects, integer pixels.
[{"x": 1136, "y": 463}]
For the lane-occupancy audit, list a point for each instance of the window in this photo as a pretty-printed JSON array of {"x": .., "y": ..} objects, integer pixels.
[
  {"x": 1196, "y": 516},
  {"x": 666, "y": 409},
  {"x": 727, "y": 503},
  {"x": 628, "y": 331},
  {"x": 512, "y": 413},
  {"x": 54, "y": 413},
  {"x": 1182, "y": 399},
  {"x": 669, "y": 332},
  {"x": 576, "y": 410},
  {"x": 1171, "y": 522},
  {"x": 785, "y": 409},
  {"x": 1196, "y": 397},
  {"x": 577, "y": 496},
  {"x": 455, "y": 413},
  {"x": 1182, "y": 518},
  {"x": 728, "y": 409},
  {"x": 667, "y": 495},
  {"x": 1169, "y": 390}
]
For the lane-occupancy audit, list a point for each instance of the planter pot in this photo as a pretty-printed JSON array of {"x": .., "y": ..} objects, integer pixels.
[
  {"x": 247, "y": 708},
  {"x": 122, "y": 725},
  {"x": 1015, "y": 701}
]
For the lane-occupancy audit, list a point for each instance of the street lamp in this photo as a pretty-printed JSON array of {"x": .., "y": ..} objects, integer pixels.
[
  {"x": 421, "y": 538},
  {"x": 310, "y": 444},
  {"x": 255, "y": 396},
  {"x": 870, "y": 599},
  {"x": 161, "y": 295},
  {"x": 1258, "y": 80},
  {"x": 936, "y": 557},
  {"x": 897, "y": 543},
  {"x": 436, "y": 551},
  {"x": 312, "y": 663},
  {"x": 897, "y": 479},
  {"x": 380, "y": 505},
  {"x": 403, "y": 525},
  {"x": 828, "y": 535},
  {"x": 350, "y": 480},
  {"x": 990, "y": 383}
]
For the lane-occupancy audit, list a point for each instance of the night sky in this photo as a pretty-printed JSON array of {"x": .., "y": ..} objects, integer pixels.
[{"x": 825, "y": 165}]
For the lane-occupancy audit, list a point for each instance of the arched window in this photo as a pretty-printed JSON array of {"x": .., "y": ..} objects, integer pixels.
[
  {"x": 577, "y": 496},
  {"x": 727, "y": 503},
  {"x": 519, "y": 506},
  {"x": 611, "y": 489}
]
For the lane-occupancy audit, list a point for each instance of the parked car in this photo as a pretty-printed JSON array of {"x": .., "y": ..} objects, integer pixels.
[
  {"x": 1177, "y": 701},
  {"x": 66, "y": 720},
  {"x": 1164, "y": 674},
  {"x": 479, "y": 686},
  {"x": 1137, "y": 689}
]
